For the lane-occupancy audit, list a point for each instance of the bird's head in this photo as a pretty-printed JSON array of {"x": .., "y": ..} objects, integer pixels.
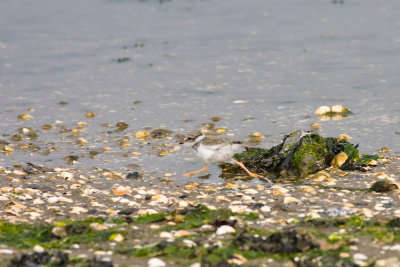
[{"x": 192, "y": 138}]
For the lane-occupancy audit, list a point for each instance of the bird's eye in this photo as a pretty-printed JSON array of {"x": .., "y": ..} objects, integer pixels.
[{"x": 189, "y": 138}]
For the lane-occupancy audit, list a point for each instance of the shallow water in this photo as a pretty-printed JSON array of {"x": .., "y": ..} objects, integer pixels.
[{"x": 261, "y": 66}]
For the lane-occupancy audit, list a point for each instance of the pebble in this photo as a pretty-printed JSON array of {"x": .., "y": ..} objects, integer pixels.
[
  {"x": 181, "y": 233},
  {"x": 53, "y": 200},
  {"x": 225, "y": 229},
  {"x": 278, "y": 190},
  {"x": 156, "y": 262},
  {"x": 37, "y": 201},
  {"x": 189, "y": 243},
  {"x": 78, "y": 210},
  {"x": 265, "y": 209},
  {"x": 345, "y": 137},
  {"x": 250, "y": 191},
  {"x": 288, "y": 200},
  {"x": 166, "y": 235},
  {"x": 38, "y": 249}
]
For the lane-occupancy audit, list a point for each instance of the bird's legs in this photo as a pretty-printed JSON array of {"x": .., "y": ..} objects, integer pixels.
[
  {"x": 247, "y": 170},
  {"x": 195, "y": 172}
]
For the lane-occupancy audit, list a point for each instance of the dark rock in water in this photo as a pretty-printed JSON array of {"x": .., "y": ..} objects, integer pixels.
[
  {"x": 127, "y": 211},
  {"x": 300, "y": 153},
  {"x": 383, "y": 187},
  {"x": 132, "y": 175},
  {"x": 280, "y": 242}
]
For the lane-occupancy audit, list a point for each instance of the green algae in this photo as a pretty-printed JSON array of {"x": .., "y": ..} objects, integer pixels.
[{"x": 28, "y": 235}]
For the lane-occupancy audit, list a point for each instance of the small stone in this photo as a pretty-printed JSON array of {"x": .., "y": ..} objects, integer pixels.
[
  {"x": 308, "y": 189},
  {"x": 360, "y": 259},
  {"x": 383, "y": 187},
  {"x": 265, "y": 209},
  {"x": 98, "y": 226},
  {"x": 222, "y": 199},
  {"x": 181, "y": 233},
  {"x": 78, "y": 210},
  {"x": 59, "y": 231},
  {"x": 37, "y": 201},
  {"x": 156, "y": 262},
  {"x": 119, "y": 190},
  {"x": 288, "y": 200},
  {"x": 189, "y": 243},
  {"x": 230, "y": 185},
  {"x": 19, "y": 172},
  {"x": 53, "y": 200},
  {"x": 278, "y": 190},
  {"x": 38, "y": 249},
  {"x": 127, "y": 211},
  {"x": 225, "y": 229},
  {"x": 82, "y": 141},
  {"x": 250, "y": 191},
  {"x": 322, "y": 110},
  {"x": 132, "y": 175},
  {"x": 367, "y": 212},
  {"x": 166, "y": 235}
]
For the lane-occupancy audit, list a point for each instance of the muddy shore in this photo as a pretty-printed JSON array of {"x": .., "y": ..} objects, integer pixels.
[{"x": 128, "y": 219}]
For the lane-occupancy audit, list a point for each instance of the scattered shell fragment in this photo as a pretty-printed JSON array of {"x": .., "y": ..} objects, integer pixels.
[
  {"x": 278, "y": 190},
  {"x": 25, "y": 116},
  {"x": 220, "y": 130},
  {"x": 344, "y": 137},
  {"x": 119, "y": 190},
  {"x": 339, "y": 160},
  {"x": 90, "y": 115},
  {"x": 257, "y": 134},
  {"x": 82, "y": 141},
  {"x": 142, "y": 135},
  {"x": 315, "y": 126}
]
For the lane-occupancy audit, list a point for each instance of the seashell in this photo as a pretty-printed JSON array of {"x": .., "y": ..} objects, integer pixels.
[
  {"x": 339, "y": 159},
  {"x": 90, "y": 115},
  {"x": 142, "y": 135},
  {"x": 25, "y": 116}
]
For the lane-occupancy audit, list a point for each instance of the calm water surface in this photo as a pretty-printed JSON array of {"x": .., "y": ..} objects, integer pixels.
[{"x": 261, "y": 66}]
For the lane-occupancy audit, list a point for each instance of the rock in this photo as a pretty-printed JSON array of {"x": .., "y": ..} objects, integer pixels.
[
  {"x": 156, "y": 262},
  {"x": 225, "y": 229},
  {"x": 300, "y": 154},
  {"x": 132, "y": 175},
  {"x": 59, "y": 231},
  {"x": 127, "y": 211},
  {"x": 383, "y": 187},
  {"x": 322, "y": 110},
  {"x": 265, "y": 209}
]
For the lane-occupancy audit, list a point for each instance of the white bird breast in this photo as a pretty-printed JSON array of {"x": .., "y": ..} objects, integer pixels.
[{"x": 218, "y": 153}]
